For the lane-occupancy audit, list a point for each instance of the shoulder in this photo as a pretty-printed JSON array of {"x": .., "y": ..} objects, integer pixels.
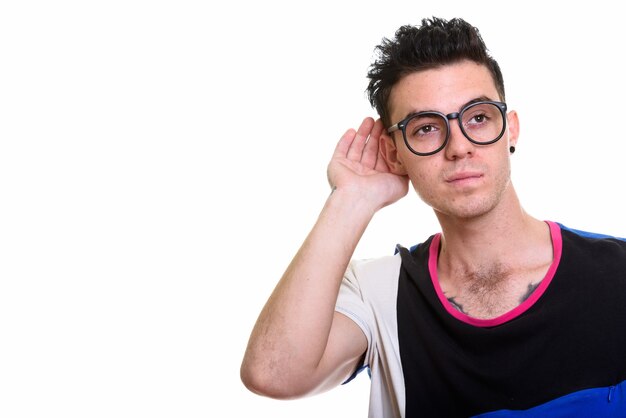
[
  {"x": 374, "y": 268},
  {"x": 597, "y": 248},
  {"x": 374, "y": 280},
  {"x": 370, "y": 277},
  {"x": 377, "y": 278},
  {"x": 587, "y": 235},
  {"x": 592, "y": 240}
]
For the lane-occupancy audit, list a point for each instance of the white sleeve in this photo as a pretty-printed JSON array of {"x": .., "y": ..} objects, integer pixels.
[{"x": 368, "y": 296}]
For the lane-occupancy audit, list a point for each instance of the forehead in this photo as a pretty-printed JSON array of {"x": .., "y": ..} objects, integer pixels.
[{"x": 445, "y": 89}]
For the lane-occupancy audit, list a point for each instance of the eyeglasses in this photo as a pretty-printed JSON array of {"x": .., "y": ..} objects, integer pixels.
[{"x": 427, "y": 133}]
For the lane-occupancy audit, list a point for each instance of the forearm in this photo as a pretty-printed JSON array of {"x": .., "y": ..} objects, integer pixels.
[{"x": 291, "y": 333}]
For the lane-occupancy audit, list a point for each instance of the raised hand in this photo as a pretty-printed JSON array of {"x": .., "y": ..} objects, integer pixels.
[{"x": 358, "y": 166}]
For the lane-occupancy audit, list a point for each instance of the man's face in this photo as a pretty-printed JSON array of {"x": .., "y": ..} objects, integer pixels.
[{"x": 463, "y": 180}]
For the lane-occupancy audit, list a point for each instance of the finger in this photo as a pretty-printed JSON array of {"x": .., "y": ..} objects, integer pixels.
[
  {"x": 381, "y": 164},
  {"x": 370, "y": 152},
  {"x": 356, "y": 149},
  {"x": 341, "y": 150}
]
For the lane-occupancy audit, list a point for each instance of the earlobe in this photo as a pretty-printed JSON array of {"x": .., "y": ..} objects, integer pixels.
[{"x": 389, "y": 152}]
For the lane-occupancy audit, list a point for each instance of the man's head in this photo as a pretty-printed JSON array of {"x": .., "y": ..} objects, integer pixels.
[
  {"x": 435, "y": 43},
  {"x": 441, "y": 97}
]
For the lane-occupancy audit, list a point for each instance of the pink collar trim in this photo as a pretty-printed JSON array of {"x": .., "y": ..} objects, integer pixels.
[{"x": 557, "y": 246}]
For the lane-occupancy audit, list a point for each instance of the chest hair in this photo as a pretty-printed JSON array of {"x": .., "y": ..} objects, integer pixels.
[{"x": 489, "y": 292}]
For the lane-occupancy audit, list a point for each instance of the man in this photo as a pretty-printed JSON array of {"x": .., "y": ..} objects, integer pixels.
[{"x": 499, "y": 314}]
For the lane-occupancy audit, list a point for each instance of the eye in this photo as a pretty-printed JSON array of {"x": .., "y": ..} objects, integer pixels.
[
  {"x": 425, "y": 126},
  {"x": 481, "y": 114},
  {"x": 478, "y": 118},
  {"x": 483, "y": 122},
  {"x": 424, "y": 130}
]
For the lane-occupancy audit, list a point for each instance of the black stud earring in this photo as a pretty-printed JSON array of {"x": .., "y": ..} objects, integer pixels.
[{"x": 511, "y": 149}]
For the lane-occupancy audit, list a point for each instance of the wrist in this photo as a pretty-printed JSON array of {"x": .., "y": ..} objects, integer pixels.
[{"x": 353, "y": 202}]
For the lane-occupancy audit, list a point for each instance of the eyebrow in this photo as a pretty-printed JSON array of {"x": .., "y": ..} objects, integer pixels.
[{"x": 477, "y": 99}]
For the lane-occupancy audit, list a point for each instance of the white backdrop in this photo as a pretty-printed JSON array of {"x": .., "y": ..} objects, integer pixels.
[{"x": 161, "y": 162}]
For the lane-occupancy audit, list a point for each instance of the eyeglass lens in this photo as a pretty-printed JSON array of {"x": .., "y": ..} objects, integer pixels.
[{"x": 427, "y": 132}]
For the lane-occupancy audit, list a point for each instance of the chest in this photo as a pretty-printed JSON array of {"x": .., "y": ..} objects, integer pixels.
[
  {"x": 568, "y": 336},
  {"x": 489, "y": 293}
]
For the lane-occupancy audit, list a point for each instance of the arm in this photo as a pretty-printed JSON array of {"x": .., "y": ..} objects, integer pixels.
[{"x": 299, "y": 344}]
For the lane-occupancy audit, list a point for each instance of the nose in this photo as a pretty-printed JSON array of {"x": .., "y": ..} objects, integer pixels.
[{"x": 458, "y": 145}]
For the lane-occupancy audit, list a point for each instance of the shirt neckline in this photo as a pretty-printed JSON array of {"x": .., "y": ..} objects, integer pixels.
[{"x": 557, "y": 246}]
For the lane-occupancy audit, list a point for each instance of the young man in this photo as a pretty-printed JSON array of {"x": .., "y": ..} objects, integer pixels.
[{"x": 499, "y": 313}]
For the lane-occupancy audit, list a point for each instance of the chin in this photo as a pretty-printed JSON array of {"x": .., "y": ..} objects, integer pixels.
[{"x": 466, "y": 209}]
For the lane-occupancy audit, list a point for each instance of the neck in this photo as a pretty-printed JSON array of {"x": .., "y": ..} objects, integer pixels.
[
  {"x": 504, "y": 236},
  {"x": 488, "y": 264}
]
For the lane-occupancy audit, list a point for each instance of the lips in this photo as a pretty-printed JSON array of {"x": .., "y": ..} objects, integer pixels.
[{"x": 463, "y": 176}]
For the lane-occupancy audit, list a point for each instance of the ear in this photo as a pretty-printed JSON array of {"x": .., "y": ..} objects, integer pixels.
[
  {"x": 389, "y": 152},
  {"x": 513, "y": 127}
]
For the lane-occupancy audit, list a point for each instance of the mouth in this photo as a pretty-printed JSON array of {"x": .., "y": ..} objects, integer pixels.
[{"x": 462, "y": 178}]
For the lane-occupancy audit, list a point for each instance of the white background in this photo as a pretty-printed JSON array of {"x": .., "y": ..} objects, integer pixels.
[{"x": 161, "y": 162}]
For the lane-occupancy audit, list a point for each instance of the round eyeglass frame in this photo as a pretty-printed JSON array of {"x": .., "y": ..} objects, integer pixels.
[{"x": 401, "y": 126}]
